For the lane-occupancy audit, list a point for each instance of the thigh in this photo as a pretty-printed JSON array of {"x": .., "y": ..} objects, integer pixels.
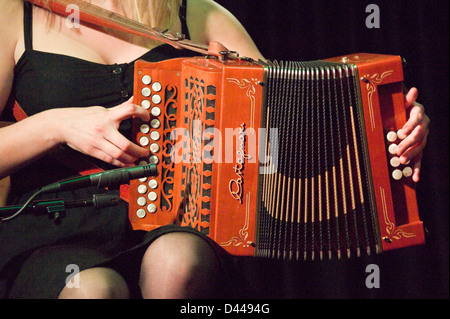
[{"x": 44, "y": 273}]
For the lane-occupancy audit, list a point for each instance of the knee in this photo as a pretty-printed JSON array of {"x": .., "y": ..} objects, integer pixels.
[
  {"x": 97, "y": 283},
  {"x": 178, "y": 264}
]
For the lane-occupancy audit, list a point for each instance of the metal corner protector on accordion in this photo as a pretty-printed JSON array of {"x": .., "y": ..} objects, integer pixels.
[{"x": 290, "y": 160}]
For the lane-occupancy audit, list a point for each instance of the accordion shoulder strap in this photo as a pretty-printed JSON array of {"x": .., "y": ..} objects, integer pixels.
[{"x": 98, "y": 16}]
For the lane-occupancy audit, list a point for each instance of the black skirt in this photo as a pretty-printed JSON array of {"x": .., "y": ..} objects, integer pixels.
[{"x": 36, "y": 254}]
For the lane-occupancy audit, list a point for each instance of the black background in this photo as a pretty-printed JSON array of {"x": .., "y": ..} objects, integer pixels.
[{"x": 418, "y": 31}]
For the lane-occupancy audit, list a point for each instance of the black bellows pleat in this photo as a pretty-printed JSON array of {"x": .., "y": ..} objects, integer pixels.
[{"x": 314, "y": 198}]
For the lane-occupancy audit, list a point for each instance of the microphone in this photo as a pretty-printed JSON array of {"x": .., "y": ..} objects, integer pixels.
[{"x": 109, "y": 178}]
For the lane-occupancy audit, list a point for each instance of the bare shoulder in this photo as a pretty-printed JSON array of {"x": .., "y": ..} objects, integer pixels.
[
  {"x": 208, "y": 21},
  {"x": 11, "y": 16},
  {"x": 10, "y": 11}
]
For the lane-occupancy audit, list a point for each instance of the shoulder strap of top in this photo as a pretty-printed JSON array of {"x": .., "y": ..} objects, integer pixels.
[
  {"x": 183, "y": 15},
  {"x": 28, "y": 25}
]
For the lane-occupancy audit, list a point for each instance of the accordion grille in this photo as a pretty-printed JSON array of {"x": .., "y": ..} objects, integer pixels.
[{"x": 315, "y": 198}]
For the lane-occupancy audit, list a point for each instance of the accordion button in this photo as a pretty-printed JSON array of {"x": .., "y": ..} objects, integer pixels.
[
  {"x": 146, "y": 92},
  {"x": 143, "y": 179},
  {"x": 141, "y": 201},
  {"x": 145, "y": 104},
  {"x": 395, "y": 161},
  {"x": 153, "y": 159},
  {"x": 142, "y": 189},
  {"x": 117, "y": 71},
  {"x": 154, "y": 148},
  {"x": 146, "y": 79},
  {"x": 141, "y": 213},
  {"x": 407, "y": 171},
  {"x": 156, "y": 111},
  {"x": 124, "y": 93},
  {"x": 157, "y": 87},
  {"x": 401, "y": 135},
  {"x": 397, "y": 174},
  {"x": 153, "y": 183},
  {"x": 391, "y": 136},
  {"x": 392, "y": 149},
  {"x": 155, "y": 135},
  {"x": 155, "y": 123},
  {"x": 156, "y": 99},
  {"x": 152, "y": 196},
  {"x": 151, "y": 208},
  {"x": 144, "y": 141},
  {"x": 144, "y": 128}
]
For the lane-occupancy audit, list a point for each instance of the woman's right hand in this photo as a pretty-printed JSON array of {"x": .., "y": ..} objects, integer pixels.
[{"x": 94, "y": 131}]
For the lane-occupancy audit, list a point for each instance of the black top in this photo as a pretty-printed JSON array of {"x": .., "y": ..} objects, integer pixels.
[
  {"x": 43, "y": 81},
  {"x": 46, "y": 80}
]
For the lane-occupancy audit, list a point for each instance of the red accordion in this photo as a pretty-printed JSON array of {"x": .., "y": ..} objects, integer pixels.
[{"x": 277, "y": 159}]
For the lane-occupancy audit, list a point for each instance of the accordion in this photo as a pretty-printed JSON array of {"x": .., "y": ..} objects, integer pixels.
[{"x": 291, "y": 160}]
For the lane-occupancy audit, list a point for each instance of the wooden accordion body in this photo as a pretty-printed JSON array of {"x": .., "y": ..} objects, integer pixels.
[{"x": 281, "y": 160}]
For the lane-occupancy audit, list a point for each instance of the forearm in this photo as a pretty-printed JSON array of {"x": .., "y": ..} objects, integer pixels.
[
  {"x": 25, "y": 141},
  {"x": 5, "y": 185}
]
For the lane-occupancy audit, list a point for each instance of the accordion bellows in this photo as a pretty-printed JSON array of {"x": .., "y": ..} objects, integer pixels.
[{"x": 290, "y": 160}]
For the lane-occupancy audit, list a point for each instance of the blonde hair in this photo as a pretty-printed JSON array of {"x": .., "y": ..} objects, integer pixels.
[{"x": 154, "y": 13}]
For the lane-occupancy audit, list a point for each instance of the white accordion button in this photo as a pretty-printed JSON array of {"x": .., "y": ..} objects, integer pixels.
[
  {"x": 146, "y": 79},
  {"x": 407, "y": 171},
  {"x": 391, "y": 136},
  {"x": 141, "y": 201},
  {"x": 401, "y": 135},
  {"x": 397, "y": 174},
  {"x": 141, "y": 213},
  {"x": 156, "y": 86},
  {"x": 145, "y": 104},
  {"x": 153, "y": 159},
  {"x": 156, "y": 98},
  {"x": 155, "y": 123},
  {"x": 392, "y": 149},
  {"x": 144, "y": 128},
  {"x": 152, "y": 196},
  {"x": 395, "y": 162},
  {"x": 154, "y": 148},
  {"x": 153, "y": 183},
  {"x": 151, "y": 208},
  {"x": 142, "y": 189},
  {"x": 155, "y": 135},
  {"x": 144, "y": 141},
  {"x": 146, "y": 92},
  {"x": 156, "y": 111}
]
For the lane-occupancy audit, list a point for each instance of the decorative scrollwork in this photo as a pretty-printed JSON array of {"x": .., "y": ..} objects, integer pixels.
[
  {"x": 168, "y": 166},
  {"x": 392, "y": 231},
  {"x": 250, "y": 85},
  {"x": 371, "y": 85},
  {"x": 242, "y": 238}
]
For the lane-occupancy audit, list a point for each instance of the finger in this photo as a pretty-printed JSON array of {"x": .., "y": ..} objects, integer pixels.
[
  {"x": 411, "y": 97},
  {"x": 416, "y": 116},
  {"x": 115, "y": 153},
  {"x": 125, "y": 146},
  {"x": 128, "y": 109},
  {"x": 416, "y": 168},
  {"x": 412, "y": 153},
  {"x": 417, "y": 136},
  {"x": 101, "y": 155}
]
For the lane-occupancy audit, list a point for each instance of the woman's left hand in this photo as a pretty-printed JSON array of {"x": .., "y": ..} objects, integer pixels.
[{"x": 416, "y": 132}]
